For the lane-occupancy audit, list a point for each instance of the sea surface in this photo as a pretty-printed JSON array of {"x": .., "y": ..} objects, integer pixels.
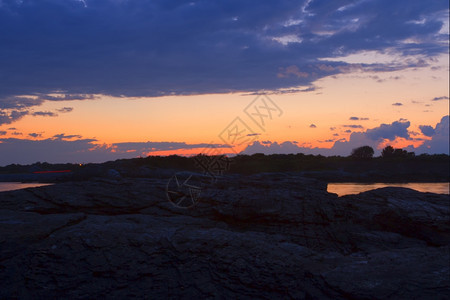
[
  {"x": 11, "y": 186},
  {"x": 348, "y": 188},
  {"x": 341, "y": 189}
]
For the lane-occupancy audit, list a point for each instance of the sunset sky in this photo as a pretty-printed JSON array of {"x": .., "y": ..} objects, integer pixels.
[{"x": 97, "y": 80}]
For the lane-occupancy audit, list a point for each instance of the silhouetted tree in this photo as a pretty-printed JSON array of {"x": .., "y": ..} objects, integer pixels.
[
  {"x": 364, "y": 152},
  {"x": 388, "y": 151},
  {"x": 411, "y": 154},
  {"x": 258, "y": 155},
  {"x": 400, "y": 153}
]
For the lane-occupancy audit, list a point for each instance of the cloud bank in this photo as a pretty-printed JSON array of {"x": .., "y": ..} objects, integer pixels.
[
  {"x": 162, "y": 47},
  {"x": 64, "y": 148},
  {"x": 438, "y": 144}
]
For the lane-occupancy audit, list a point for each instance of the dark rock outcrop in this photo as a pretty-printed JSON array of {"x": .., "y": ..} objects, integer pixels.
[{"x": 261, "y": 236}]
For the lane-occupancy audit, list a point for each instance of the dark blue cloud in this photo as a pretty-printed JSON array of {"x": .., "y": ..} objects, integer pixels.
[
  {"x": 427, "y": 130},
  {"x": 389, "y": 131},
  {"x": 160, "y": 47},
  {"x": 22, "y": 102},
  {"x": 9, "y": 116},
  {"x": 13, "y": 108},
  {"x": 439, "y": 142},
  {"x": 397, "y": 104}
]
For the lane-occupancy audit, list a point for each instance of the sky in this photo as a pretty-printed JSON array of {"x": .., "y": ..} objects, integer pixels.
[{"x": 96, "y": 80}]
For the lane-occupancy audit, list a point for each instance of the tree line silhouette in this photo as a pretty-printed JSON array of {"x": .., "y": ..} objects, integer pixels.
[
  {"x": 367, "y": 152},
  {"x": 391, "y": 161}
]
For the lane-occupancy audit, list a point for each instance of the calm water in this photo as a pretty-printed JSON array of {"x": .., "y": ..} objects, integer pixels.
[
  {"x": 11, "y": 186},
  {"x": 355, "y": 188},
  {"x": 339, "y": 188}
]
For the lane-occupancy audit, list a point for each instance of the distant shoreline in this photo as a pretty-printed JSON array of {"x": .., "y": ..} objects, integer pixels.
[{"x": 420, "y": 169}]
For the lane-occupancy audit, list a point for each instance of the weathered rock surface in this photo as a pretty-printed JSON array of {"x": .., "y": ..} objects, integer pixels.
[{"x": 260, "y": 236}]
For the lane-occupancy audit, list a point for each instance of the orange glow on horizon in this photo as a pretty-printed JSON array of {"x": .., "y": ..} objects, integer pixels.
[
  {"x": 340, "y": 105},
  {"x": 400, "y": 143}
]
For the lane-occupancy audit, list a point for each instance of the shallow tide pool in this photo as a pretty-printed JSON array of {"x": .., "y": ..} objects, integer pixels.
[
  {"x": 343, "y": 189},
  {"x": 11, "y": 186}
]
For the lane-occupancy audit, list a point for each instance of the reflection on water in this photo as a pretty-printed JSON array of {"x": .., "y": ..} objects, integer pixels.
[
  {"x": 355, "y": 188},
  {"x": 338, "y": 188},
  {"x": 11, "y": 186}
]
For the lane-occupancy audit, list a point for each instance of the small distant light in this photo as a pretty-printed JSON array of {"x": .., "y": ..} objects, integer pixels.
[{"x": 81, "y": 165}]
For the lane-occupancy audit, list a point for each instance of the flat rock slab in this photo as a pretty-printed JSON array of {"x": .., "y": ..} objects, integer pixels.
[{"x": 261, "y": 236}]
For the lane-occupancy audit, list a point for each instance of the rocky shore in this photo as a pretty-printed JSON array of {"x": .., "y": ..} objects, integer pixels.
[{"x": 272, "y": 235}]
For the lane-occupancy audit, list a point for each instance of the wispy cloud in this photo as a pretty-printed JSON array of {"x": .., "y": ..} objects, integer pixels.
[
  {"x": 35, "y": 135},
  {"x": 358, "y": 119},
  {"x": 440, "y": 98},
  {"x": 65, "y": 109},
  {"x": 63, "y": 136},
  {"x": 44, "y": 114}
]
